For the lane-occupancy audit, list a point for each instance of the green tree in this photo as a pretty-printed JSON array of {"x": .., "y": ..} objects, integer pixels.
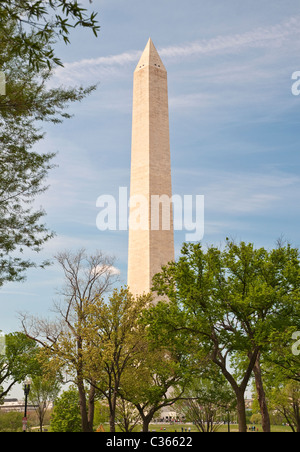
[
  {"x": 127, "y": 415},
  {"x": 19, "y": 360},
  {"x": 40, "y": 24},
  {"x": 27, "y": 104},
  {"x": 159, "y": 375},
  {"x": 65, "y": 340},
  {"x": 231, "y": 301},
  {"x": 285, "y": 399},
  {"x": 282, "y": 387},
  {"x": 66, "y": 416},
  {"x": 43, "y": 391},
  {"x": 113, "y": 341},
  {"x": 285, "y": 353},
  {"x": 11, "y": 422},
  {"x": 206, "y": 403}
]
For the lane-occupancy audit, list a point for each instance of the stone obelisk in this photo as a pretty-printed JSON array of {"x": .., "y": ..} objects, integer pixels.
[{"x": 151, "y": 238}]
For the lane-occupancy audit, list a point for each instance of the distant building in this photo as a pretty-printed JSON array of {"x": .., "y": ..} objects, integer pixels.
[{"x": 15, "y": 405}]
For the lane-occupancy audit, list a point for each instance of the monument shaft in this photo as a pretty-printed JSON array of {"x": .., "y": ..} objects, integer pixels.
[{"x": 152, "y": 244}]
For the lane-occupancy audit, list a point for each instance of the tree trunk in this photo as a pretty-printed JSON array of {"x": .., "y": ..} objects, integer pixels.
[
  {"x": 239, "y": 393},
  {"x": 146, "y": 418},
  {"x": 83, "y": 412},
  {"x": 112, "y": 411},
  {"x": 91, "y": 408},
  {"x": 296, "y": 410},
  {"x": 266, "y": 423},
  {"x": 112, "y": 423},
  {"x": 146, "y": 422},
  {"x": 241, "y": 410},
  {"x": 239, "y": 390}
]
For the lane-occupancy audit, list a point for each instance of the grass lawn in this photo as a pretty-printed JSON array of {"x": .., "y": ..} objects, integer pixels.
[{"x": 223, "y": 428}]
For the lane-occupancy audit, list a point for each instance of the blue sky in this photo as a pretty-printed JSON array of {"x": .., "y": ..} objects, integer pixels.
[{"x": 234, "y": 127}]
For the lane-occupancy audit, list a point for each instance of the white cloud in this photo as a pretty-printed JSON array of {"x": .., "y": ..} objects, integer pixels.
[
  {"x": 109, "y": 269},
  {"x": 95, "y": 68},
  {"x": 108, "y": 66},
  {"x": 242, "y": 193},
  {"x": 260, "y": 37},
  {"x": 192, "y": 100}
]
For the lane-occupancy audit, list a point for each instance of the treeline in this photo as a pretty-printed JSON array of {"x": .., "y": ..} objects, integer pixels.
[{"x": 227, "y": 318}]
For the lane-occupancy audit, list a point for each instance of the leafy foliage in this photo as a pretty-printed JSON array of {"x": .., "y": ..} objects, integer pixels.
[
  {"x": 11, "y": 422},
  {"x": 23, "y": 170},
  {"x": 40, "y": 24},
  {"x": 232, "y": 301},
  {"x": 66, "y": 415},
  {"x": 20, "y": 360}
]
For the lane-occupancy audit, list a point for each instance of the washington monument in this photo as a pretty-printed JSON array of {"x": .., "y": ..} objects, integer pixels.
[{"x": 151, "y": 238}]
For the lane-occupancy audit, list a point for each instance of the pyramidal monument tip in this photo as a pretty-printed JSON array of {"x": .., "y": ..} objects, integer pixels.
[{"x": 150, "y": 57}]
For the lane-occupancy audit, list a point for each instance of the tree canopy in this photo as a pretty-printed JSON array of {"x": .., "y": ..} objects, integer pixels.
[
  {"x": 28, "y": 104},
  {"x": 40, "y": 24},
  {"x": 19, "y": 360},
  {"x": 232, "y": 301}
]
